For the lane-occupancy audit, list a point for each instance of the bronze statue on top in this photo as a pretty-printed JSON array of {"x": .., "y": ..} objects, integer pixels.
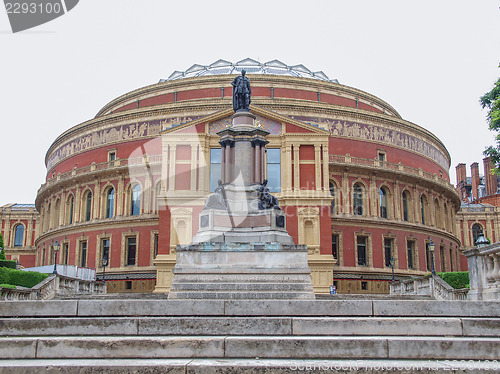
[{"x": 241, "y": 93}]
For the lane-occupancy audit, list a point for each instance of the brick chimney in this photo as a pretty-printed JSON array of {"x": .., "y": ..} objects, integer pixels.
[
  {"x": 474, "y": 169},
  {"x": 461, "y": 174},
  {"x": 489, "y": 179}
]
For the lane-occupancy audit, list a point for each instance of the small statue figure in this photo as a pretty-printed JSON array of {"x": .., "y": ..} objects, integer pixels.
[
  {"x": 217, "y": 200},
  {"x": 266, "y": 200},
  {"x": 241, "y": 92}
]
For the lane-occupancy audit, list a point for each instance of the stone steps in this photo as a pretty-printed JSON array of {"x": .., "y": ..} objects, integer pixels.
[
  {"x": 248, "y": 336},
  {"x": 250, "y": 326},
  {"x": 242, "y": 366},
  {"x": 272, "y": 347}
]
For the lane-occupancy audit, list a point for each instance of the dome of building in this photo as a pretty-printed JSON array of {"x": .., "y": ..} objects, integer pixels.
[{"x": 274, "y": 67}]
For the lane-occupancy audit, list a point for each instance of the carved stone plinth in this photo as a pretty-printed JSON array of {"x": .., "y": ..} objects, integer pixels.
[{"x": 241, "y": 271}]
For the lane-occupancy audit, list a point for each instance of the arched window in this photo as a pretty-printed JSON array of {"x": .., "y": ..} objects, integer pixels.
[
  {"x": 19, "y": 236},
  {"x": 69, "y": 210},
  {"x": 110, "y": 202},
  {"x": 477, "y": 230},
  {"x": 357, "y": 200},
  {"x": 135, "y": 200},
  {"x": 423, "y": 206},
  {"x": 406, "y": 212},
  {"x": 383, "y": 203},
  {"x": 332, "y": 193},
  {"x": 88, "y": 206}
]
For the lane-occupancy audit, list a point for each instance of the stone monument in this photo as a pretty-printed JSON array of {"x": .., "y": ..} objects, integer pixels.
[{"x": 242, "y": 249}]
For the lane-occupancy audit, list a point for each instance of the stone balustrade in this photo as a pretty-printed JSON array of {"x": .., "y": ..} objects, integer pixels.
[
  {"x": 54, "y": 285},
  {"x": 484, "y": 272},
  {"x": 429, "y": 285}
]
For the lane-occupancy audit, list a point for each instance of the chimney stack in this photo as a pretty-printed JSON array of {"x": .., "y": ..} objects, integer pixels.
[
  {"x": 461, "y": 181},
  {"x": 474, "y": 169}
]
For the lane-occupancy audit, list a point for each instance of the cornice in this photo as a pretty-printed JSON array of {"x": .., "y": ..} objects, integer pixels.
[
  {"x": 380, "y": 223},
  {"x": 124, "y": 222}
]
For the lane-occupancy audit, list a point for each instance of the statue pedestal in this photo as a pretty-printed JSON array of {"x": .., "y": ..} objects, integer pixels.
[
  {"x": 241, "y": 271},
  {"x": 242, "y": 249}
]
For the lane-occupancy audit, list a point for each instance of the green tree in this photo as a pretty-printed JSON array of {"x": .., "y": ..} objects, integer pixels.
[
  {"x": 491, "y": 100},
  {"x": 2, "y": 251}
]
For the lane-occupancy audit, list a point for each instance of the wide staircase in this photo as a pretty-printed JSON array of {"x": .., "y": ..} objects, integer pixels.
[{"x": 155, "y": 335}]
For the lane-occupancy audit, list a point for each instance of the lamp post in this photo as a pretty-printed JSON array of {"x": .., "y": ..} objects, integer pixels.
[
  {"x": 392, "y": 266},
  {"x": 55, "y": 247},
  {"x": 104, "y": 263},
  {"x": 431, "y": 249},
  {"x": 481, "y": 241}
]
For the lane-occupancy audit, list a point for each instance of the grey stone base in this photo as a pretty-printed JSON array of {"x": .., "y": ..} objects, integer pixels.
[{"x": 241, "y": 271}]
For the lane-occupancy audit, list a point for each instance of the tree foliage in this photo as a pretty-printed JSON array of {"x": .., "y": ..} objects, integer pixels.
[{"x": 491, "y": 101}]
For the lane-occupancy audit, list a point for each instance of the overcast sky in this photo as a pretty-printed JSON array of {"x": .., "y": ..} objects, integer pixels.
[{"x": 430, "y": 60}]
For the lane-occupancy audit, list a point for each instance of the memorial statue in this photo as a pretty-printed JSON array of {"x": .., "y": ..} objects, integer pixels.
[
  {"x": 217, "y": 200},
  {"x": 241, "y": 92},
  {"x": 266, "y": 200}
]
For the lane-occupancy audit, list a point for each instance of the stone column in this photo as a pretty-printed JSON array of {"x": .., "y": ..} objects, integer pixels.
[
  {"x": 257, "y": 162},
  {"x": 120, "y": 198},
  {"x": 288, "y": 166},
  {"x": 78, "y": 201},
  {"x": 171, "y": 168},
  {"x": 346, "y": 207},
  {"x": 194, "y": 155},
  {"x": 296, "y": 171},
  {"x": 326, "y": 174},
  {"x": 317, "y": 166},
  {"x": 97, "y": 196},
  {"x": 223, "y": 163},
  {"x": 262, "y": 162}
]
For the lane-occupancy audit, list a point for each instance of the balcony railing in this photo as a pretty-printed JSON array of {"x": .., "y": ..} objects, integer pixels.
[
  {"x": 399, "y": 167},
  {"x": 103, "y": 166}
]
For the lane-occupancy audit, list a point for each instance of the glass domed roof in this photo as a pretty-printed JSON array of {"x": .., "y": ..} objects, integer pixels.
[{"x": 251, "y": 66}]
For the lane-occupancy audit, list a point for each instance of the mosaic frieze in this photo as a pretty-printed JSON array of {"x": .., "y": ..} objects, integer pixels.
[
  {"x": 267, "y": 124},
  {"x": 380, "y": 134},
  {"x": 110, "y": 135}
]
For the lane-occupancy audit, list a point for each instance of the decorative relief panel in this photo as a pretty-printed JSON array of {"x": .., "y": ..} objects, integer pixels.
[
  {"x": 130, "y": 131},
  {"x": 381, "y": 134}
]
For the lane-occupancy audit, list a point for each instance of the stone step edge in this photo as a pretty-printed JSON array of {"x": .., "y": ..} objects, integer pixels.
[
  {"x": 251, "y": 326},
  {"x": 308, "y": 347},
  {"x": 123, "y": 307},
  {"x": 246, "y": 366}
]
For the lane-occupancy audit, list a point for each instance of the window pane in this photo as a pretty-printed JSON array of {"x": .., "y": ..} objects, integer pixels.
[
  {"x": 409, "y": 248},
  {"x": 19, "y": 236},
  {"x": 383, "y": 203},
  {"x": 88, "y": 207},
  {"x": 131, "y": 249},
  {"x": 83, "y": 254},
  {"x": 110, "y": 203},
  {"x": 215, "y": 168},
  {"x": 274, "y": 169},
  {"x": 388, "y": 252},
  {"x": 105, "y": 249},
  {"x": 273, "y": 156},
  {"x": 135, "y": 206},
  {"x": 335, "y": 244},
  {"x": 274, "y": 177},
  {"x": 361, "y": 250}
]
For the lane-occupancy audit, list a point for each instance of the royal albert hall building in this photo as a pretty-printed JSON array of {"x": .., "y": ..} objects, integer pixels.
[{"x": 360, "y": 185}]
